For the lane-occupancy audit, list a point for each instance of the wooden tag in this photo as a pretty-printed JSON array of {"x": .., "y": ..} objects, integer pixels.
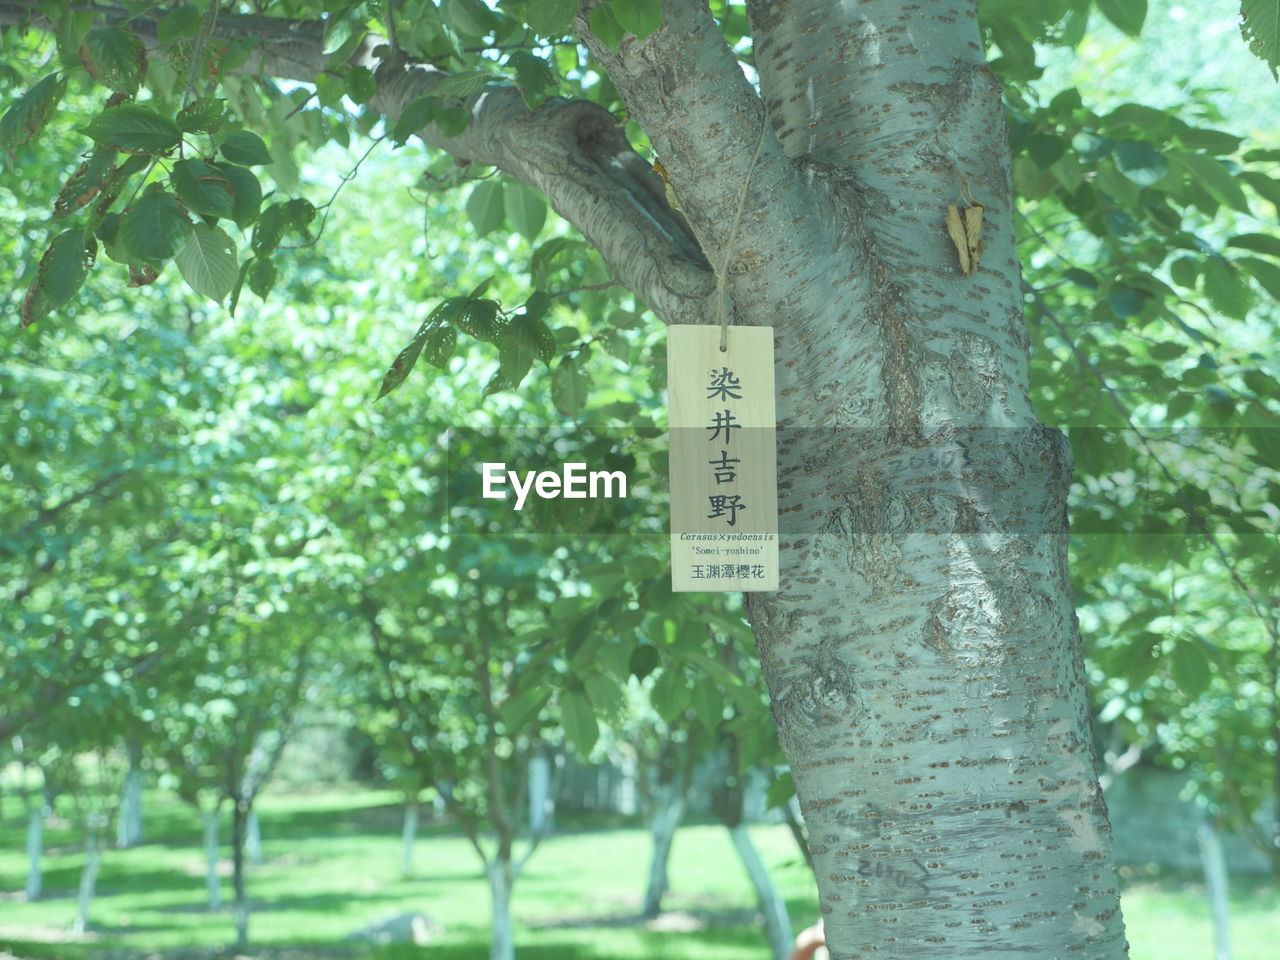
[{"x": 724, "y": 481}]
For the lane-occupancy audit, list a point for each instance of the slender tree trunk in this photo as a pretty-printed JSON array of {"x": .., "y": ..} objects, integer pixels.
[
  {"x": 239, "y": 814},
  {"x": 253, "y": 839},
  {"x": 212, "y": 883},
  {"x": 541, "y": 802},
  {"x": 668, "y": 812},
  {"x": 777, "y": 924},
  {"x": 129, "y": 821},
  {"x": 1215, "y": 878},
  {"x": 408, "y": 835},
  {"x": 502, "y": 945},
  {"x": 94, "y": 824},
  {"x": 35, "y": 850}
]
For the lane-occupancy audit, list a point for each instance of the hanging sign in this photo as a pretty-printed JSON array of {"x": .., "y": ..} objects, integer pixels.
[{"x": 724, "y": 485}]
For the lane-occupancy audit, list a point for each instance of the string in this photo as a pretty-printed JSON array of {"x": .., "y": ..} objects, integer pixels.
[{"x": 722, "y": 314}]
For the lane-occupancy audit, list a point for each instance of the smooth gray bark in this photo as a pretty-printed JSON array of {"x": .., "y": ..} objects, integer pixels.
[
  {"x": 668, "y": 811},
  {"x": 541, "y": 802},
  {"x": 253, "y": 839},
  {"x": 1215, "y": 879},
  {"x": 212, "y": 883},
  {"x": 129, "y": 820},
  {"x": 408, "y": 835},
  {"x": 502, "y": 943},
  {"x": 35, "y": 851},
  {"x": 777, "y": 925},
  {"x": 94, "y": 825}
]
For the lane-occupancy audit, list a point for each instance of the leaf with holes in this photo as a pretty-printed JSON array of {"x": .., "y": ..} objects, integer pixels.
[
  {"x": 59, "y": 275},
  {"x": 261, "y": 276},
  {"x": 31, "y": 112},
  {"x": 202, "y": 116},
  {"x": 115, "y": 57},
  {"x": 245, "y": 148},
  {"x": 87, "y": 182},
  {"x": 208, "y": 262},
  {"x": 479, "y": 319},
  {"x": 134, "y": 128},
  {"x": 1260, "y": 26},
  {"x": 154, "y": 228}
]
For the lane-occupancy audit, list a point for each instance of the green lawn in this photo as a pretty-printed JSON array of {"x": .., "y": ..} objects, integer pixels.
[{"x": 332, "y": 866}]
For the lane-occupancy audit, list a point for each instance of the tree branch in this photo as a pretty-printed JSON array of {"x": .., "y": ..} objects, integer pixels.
[{"x": 574, "y": 152}]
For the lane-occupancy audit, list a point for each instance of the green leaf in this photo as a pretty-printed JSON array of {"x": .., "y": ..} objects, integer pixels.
[
  {"x": 581, "y": 730},
  {"x": 526, "y": 209},
  {"x": 1265, "y": 272},
  {"x": 568, "y": 387},
  {"x": 708, "y": 704},
  {"x": 1210, "y": 173},
  {"x": 246, "y": 193},
  {"x": 1140, "y": 162},
  {"x": 115, "y": 57},
  {"x": 451, "y": 121},
  {"x": 604, "y": 24},
  {"x": 462, "y": 84},
  {"x": 1125, "y": 301},
  {"x": 361, "y": 85},
  {"x": 59, "y": 275},
  {"x": 1260, "y": 27},
  {"x": 418, "y": 115},
  {"x": 485, "y": 206},
  {"x": 245, "y": 148},
  {"x": 534, "y": 76},
  {"x": 1257, "y": 242},
  {"x": 1185, "y": 272},
  {"x": 269, "y": 230},
  {"x": 179, "y": 23},
  {"x": 479, "y": 319},
  {"x": 1128, "y": 15},
  {"x": 202, "y": 188},
  {"x": 643, "y": 660},
  {"x": 204, "y": 115},
  {"x": 134, "y": 127},
  {"x": 640, "y": 17},
  {"x": 208, "y": 262},
  {"x": 155, "y": 227},
  {"x": 31, "y": 112},
  {"x": 1190, "y": 668},
  {"x": 550, "y": 18},
  {"x": 1228, "y": 291},
  {"x": 439, "y": 344},
  {"x": 516, "y": 353},
  {"x": 781, "y": 790},
  {"x": 261, "y": 276}
]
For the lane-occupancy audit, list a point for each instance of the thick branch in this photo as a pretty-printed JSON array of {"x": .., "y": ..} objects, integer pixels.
[
  {"x": 686, "y": 89},
  {"x": 574, "y": 152}
]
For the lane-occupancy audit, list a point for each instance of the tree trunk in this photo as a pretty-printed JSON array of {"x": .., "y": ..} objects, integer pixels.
[
  {"x": 668, "y": 811},
  {"x": 921, "y": 652},
  {"x": 777, "y": 924},
  {"x": 35, "y": 851},
  {"x": 253, "y": 839},
  {"x": 541, "y": 802},
  {"x": 94, "y": 824},
  {"x": 129, "y": 822},
  {"x": 408, "y": 835},
  {"x": 1215, "y": 878},
  {"x": 502, "y": 945},
  {"x": 239, "y": 814},
  {"x": 212, "y": 883}
]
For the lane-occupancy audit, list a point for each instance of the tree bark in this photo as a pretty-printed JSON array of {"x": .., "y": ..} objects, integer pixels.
[
  {"x": 1215, "y": 880},
  {"x": 35, "y": 850},
  {"x": 212, "y": 883},
  {"x": 239, "y": 813},
  {"x": 94, "y": 824},
  {"x": 408, "y": 834},
  {"x": 668, "y": 811},
  {"x": 502, "y": 944},
  {"x": 921, "y": 653},
  {"x": 253, "y": 839},
  {"x": 129, "y": 822},
  {"x": 777, "y": 924}
]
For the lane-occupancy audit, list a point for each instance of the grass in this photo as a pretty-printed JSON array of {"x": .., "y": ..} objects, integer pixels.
[{"x": 332, "y": 866}]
